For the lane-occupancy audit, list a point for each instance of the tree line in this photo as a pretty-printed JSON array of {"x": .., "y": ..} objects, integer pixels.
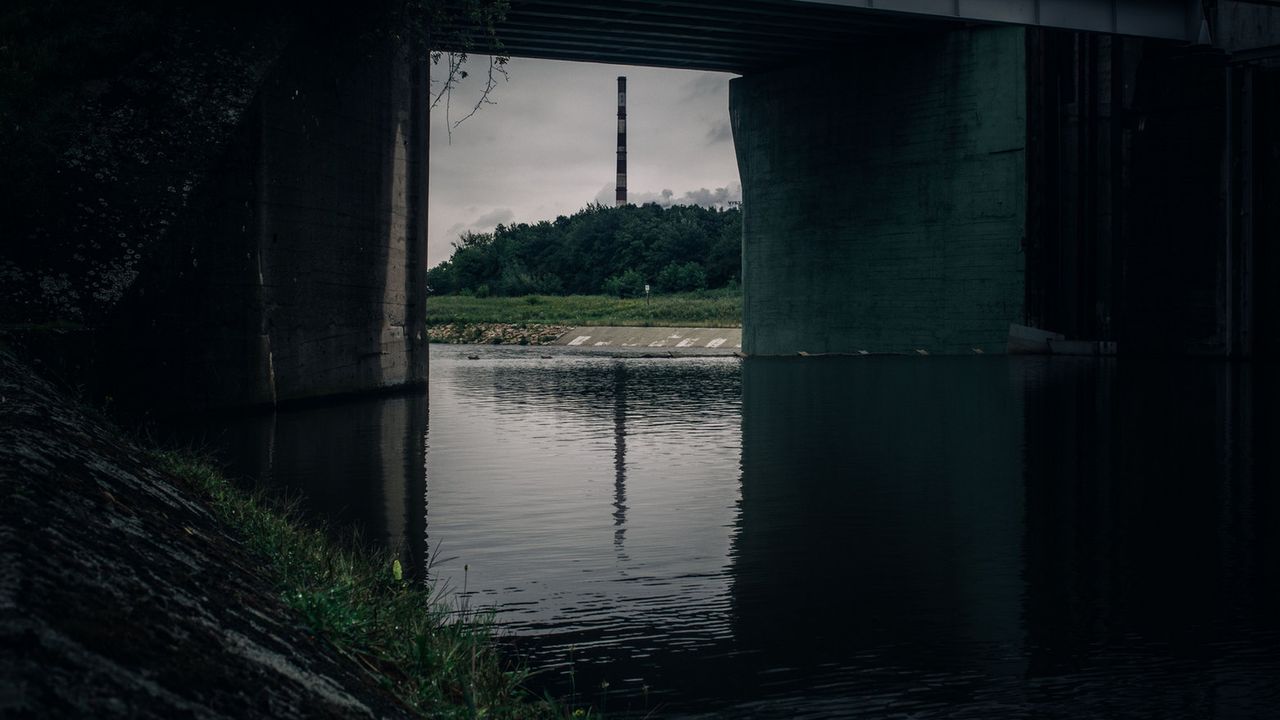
[{"x": 599, "y": 249}]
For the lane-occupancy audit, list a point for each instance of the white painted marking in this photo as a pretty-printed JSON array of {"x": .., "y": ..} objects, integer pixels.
[
  {"x": 677, "y": 336},
  {"x": 863, "y": 352},
  {"x": 921, "y": 352},
  {"x": 717, "y": 342},
  {"x": 658, "y": 343},
  {"x": 630, "y": 344},
  {"x": 580, "y": 339},
  {"x": 686, "y": 342},
  {"x": 603, "y": 343},
  {"x": 739, "y": 346}
]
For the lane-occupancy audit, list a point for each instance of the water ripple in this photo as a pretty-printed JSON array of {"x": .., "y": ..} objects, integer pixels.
[{"x": 874, "y": 537}]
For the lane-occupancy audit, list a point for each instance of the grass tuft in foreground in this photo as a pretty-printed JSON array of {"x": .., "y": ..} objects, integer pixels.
[
  {"x": 706, "y": 308},
  {"x": 441, "y": 663}
]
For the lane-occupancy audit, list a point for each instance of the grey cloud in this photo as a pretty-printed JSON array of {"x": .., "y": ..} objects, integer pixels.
[
  {"x": 720, "y": 132},
  {"x": 605, "y": 196},
  {"x": 664, "y": 198},
  {"x": 706, "y": 84},
  {"x": 720, "y": 197},
  {"x": 494, "y": 217}
]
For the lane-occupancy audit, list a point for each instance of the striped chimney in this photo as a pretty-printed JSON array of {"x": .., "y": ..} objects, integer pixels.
[{"x": 622, "y": 141}]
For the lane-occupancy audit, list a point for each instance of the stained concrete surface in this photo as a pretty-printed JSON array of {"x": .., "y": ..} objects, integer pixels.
[
  {"x": 884, "y": 197},
  {"x": 122, "y": 596}
]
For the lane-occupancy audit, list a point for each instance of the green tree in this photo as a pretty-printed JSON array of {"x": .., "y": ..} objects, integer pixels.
[
  {"x": 681, "y": 277},
  {"x": 695, "y": 247},
  {"x": 628, "y": 284}
]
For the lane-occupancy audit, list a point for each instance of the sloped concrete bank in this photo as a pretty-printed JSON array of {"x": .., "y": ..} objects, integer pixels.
[
  {"x": 688, "y": 339},
  {"x": 122, "y": 596}
]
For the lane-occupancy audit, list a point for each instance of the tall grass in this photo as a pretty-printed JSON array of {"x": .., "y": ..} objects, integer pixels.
[
  {"x": 440, "y": 662},
  {"x": 708, "y": 308}
]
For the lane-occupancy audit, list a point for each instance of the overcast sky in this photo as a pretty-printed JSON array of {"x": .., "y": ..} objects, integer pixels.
[{"x": 547, "y": 147}]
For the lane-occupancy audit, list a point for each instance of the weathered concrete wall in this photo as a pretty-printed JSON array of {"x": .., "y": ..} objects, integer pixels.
[
  {"x": 1243, "y": 25},
  {"x": 1150, "y": 166},
  {"x": 1175, "y": 263},
  {"x": 1266, "y": 228},
  {"x": 229, "y": 210},
  {"x": 301, "y": 274},
  {"x": 884, "y": 197},
  {"x": 341, "y": 216},
  {"x": 1080, "y": 86}
]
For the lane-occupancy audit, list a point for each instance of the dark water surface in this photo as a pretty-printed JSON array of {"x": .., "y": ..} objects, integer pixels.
[{"x": 898, "y": 537}]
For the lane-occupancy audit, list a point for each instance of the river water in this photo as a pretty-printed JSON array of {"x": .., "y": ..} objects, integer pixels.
[{"x": 878, "y": 537}]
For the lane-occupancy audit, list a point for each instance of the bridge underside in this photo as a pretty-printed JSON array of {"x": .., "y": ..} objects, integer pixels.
[
  {"x": 722, "y": 35},
  {"x": 746, "y": 36}
]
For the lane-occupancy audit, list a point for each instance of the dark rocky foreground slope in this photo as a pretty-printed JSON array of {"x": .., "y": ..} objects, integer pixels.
[{"x": 122, "y": 596}]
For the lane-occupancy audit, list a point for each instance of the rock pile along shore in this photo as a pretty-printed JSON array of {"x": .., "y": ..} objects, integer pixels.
[{"x": 496, "y": 333}]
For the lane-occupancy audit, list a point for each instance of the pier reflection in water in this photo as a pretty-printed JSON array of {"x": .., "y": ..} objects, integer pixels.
[
  {"x": 965, "y": 537},
  {"x": 353, "y": 466},
  {"x": 879, "y": 537}
]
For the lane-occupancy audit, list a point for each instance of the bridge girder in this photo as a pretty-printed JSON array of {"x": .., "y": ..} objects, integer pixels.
[
  {"x": 751, "y": 35},
  {"x": 1166, "y": 19}
]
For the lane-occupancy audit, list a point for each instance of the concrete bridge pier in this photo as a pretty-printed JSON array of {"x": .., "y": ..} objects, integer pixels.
[
  {"x": 924, "y": 192},
  {"x": 884, "y": 196},
  {"x": 299, "y": 271},
  {"x": 1147, "y": 194}
]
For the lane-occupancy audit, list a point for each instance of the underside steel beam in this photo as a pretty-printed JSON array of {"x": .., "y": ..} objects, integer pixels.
[
  {"x": 752, "y": 35},
  {"x": 1167, "y": 19}
]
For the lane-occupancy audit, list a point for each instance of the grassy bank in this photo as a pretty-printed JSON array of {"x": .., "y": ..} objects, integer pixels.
[
  {"x": 441, "y": 663},
  {"x": 713, "y": 308}
]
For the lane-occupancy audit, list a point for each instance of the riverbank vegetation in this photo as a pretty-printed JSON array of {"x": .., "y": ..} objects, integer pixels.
[
  {"x": 707, "y": 308},
  {"x": 611, "y": 250},
  {"x": 439, "y": 661}
]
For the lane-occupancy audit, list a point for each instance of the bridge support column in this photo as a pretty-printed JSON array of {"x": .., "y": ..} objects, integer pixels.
[
  {"x": 884, "y": 193},
  {"x": 1144, "y": 213},
  {"x": 300, "y": 270}
]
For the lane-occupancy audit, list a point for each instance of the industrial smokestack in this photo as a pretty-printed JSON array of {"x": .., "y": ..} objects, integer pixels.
[{"x": 622, "y": 141}]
